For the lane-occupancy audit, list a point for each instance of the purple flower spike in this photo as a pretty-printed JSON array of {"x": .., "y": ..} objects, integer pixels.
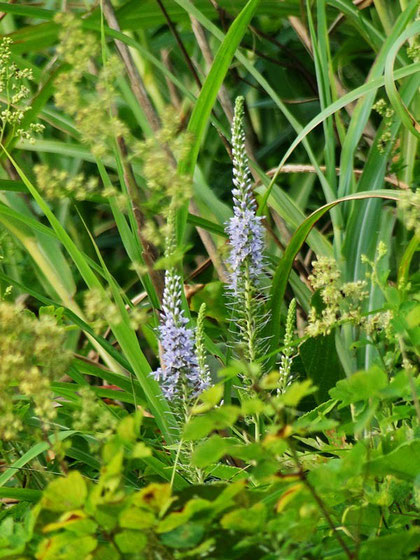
[
  {"x": 180, "y": 371},
  {"x": 245, "y": 231}
]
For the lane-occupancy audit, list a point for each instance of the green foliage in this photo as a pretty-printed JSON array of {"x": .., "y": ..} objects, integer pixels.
[{"x": 308, "y": 447}]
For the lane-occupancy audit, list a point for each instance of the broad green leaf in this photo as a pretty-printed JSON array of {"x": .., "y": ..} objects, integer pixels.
[
  {"x": 65, "y": 494},
  {"x": 66, "y": 546},
  {"x": 403, "y": 462},
  {"x": 322, "y": 364},
  {"x": 392, "y": 547},
  {"x": 285, "y": 265},
  {"x": 296, "y": 392},
  {"x": 185, "y": 536},
  {"x": 217, "y": 419},
  {"x": 361, "y": 386},
  {"x": 210, "y": 451},
  {"x": 177, "y": 518},
  {"x": 199, "y": 118},
  {"x": 245, "y": 520},
  {"x": 130, "y": 542}
]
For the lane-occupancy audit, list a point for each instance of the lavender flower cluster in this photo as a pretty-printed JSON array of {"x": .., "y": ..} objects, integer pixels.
[
  {"x": 183, "y": 372},
  {"x": 180, "y": 369},
  {"x": 245, "y": 231}
]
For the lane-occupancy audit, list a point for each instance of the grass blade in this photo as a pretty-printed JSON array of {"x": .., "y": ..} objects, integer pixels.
[{"x": 284, "y": 267}]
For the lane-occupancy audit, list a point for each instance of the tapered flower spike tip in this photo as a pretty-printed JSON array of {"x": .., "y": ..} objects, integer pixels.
[{"x": 245, "y": 231}]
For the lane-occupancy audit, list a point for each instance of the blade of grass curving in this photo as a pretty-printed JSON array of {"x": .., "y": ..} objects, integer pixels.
[
  {"x": 400, "y": 108},
  {"x": 69, "y": 390},
  {"x": 123, "y": 333},
  {"x": 21, "y": 494},
  {"x": 208, "y": 95},
  {"x": 285, "y": 207},
  {"x": 334, "y": 107},
  {"x": 70, "y": 149},
  {"x": 363, "y": 224},
  {"x": 81, "y": 367},
  {"x": 206, "y": 224},
  {"x": 405, "y": 263},
  {"x": 363, "y": 107},
  {"x": 32, "y": 453},
  {"x": 129, "y": 239},
  {"x": 284, "y": 267},
  {"x": 73, "y": 318}
]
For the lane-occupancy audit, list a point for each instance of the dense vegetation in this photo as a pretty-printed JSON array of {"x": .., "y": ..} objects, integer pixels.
[{"x": 209, "y": 285}]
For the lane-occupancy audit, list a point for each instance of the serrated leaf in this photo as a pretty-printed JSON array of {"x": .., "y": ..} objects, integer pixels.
[{"x": 359, "y": 387}]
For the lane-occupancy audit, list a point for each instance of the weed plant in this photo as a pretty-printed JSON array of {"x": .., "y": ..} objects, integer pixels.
[{"x": 209, "y": 286}]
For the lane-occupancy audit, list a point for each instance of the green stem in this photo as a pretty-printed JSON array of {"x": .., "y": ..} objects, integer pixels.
[
  {"x": 383, "y": 12},
  {"x": 249, "y": 309}
]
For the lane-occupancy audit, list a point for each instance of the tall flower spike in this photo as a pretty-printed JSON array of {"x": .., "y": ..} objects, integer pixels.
[
  {"x": 180, "y": 376},
  {"x": 287, "y": 354},
  {"x": 246, "y": 239},
  {"x": 246, "y": 234},
  {"x": 199, "y": 345}
]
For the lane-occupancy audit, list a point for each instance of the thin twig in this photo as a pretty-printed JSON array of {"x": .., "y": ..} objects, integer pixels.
[
  {"x": 180, "y": 43},
  {"x": 153, "y": 120},
  {"x": 173, "y": 93},
  {"x": 304, "y": 168},
  {"x": 136, "y": 81},
  {"x": 190, "y": 65},
  {"x": 320, "y": 503},
  {"x": 150, "y": 254}
]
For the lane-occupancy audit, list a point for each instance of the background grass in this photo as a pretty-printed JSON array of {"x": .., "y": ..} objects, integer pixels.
[{"x": 310, "y": 73}]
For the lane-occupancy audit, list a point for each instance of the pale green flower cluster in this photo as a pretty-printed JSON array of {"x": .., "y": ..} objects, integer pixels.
[
  {"x": 95, "y": 121},
  {"x": 14, "y": 92},
  {"x": 166, "y": 188},
  {"x": 341, "y": 301},
  {"x": 101, "y": 313},
  {"x": 413, "y": 50},
  {"x": 32, "y": 356},
  {"x": 57, "y": 184},
  {"x": 409, "y": 204},
  {"x": 387, "y": 113},
  {"x": 98, "y": 312}
]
